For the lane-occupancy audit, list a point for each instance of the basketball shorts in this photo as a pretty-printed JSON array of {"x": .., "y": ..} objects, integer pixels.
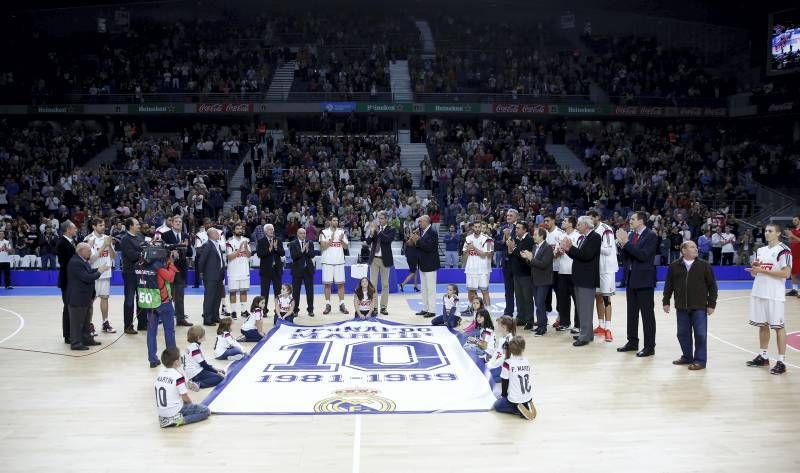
[
  {"x": 102, "y": 287},
  {"x": 236, "y": 285},
  {"x": 765, "y": 312},
  {"x": 607, "y": 284},
  {"x": 477, "y": 281},
  {"x": 332, "y": 273}
]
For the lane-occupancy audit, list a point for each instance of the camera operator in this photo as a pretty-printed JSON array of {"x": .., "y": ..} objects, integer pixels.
[
  {"x": 176, "y": 236},
  {"x": 155, "y": 273}
]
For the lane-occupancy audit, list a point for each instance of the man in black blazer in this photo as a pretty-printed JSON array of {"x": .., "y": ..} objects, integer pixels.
[
  {"x": 65, "y": 250},
  {"x": 380, "y": 240},
  {"x": 177, "y": 236},
  {"x": 80, "y": 296},
  {"x": 131, "y": 246},
  {"x": 211, "y": 263},
  {"x": 541, "y": 261},
  {"x": 427, "y": 244},
  {"x": 270, "y": 254},
  {"x": 638, "y": 257},
  {"x": 302, "y": 252},
  {"x": 521, "y": 272},
  {"x": 585, "y": 275}
]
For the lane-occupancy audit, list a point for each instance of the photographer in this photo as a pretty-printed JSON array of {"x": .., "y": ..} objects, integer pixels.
[
  {"x": 155, "y": 273},
  {"x": 175, "y": 236}
]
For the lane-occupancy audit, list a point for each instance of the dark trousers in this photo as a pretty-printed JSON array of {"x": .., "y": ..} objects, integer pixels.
[
  {"x": 212, "y": 298},
  {"x": 178, "y": 293},
  {"x": 548, "y": 303},
  {"x": 641, "y": 300},
  {"x": 79, "y": 317},
  {"x": 508, "y": 282},
  {"x": 539, "y": 298},
  {"x": 727, "y": 259},
  {"x": 197, "y": 277},
  {"x": 129, "y": 280},
  {"x": 523, "y": 293},
  {"x": 693, "y": 321},
  {"x": 717, "y": 252},
  {"x": 272, "y": 278},
  {"x": 566, "y": 294},
  {"x": 306, "y": 280},
  {"x": 5, "y": 270},
  {"x": 65, "y": 314}
]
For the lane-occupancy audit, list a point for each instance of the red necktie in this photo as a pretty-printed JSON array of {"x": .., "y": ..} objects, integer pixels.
[
  {"x": 580, "y": 240},
  {"x": 635, "y": 238}
]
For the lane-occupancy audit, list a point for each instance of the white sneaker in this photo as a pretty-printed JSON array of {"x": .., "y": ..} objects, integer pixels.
[
  {"x": 192, "y": 386},
  {"x": 236, "y": 357}
]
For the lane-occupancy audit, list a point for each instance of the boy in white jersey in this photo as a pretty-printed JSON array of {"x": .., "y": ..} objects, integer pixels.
[
  {"x": 103, "y": 254},
  {"x": 238, "y": 253},
  {"x": 773, "y": 264},
  {"x": 608, "y": 271},
  {"x": 477, "y": 247},
  {"x": 174, "y": 405},
  {"x": 516, "y": 378},
  {"x": 332, "y": 242}
]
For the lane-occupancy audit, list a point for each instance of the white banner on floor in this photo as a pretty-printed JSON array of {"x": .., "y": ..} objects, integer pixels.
[{"x": 354, "y": 367}]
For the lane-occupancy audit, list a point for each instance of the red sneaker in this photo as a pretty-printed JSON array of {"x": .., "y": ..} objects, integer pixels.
[
  {"x": 609, "y": 337},
  {"x": 599, "y": 330}
]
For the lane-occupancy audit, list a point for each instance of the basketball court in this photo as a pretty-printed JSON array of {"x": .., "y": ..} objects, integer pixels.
[{"x": 598, "y": 410}]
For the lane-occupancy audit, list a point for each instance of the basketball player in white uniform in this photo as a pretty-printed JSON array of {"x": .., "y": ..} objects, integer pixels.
[
  {"x": 103, "y": 254},
  {"x": 771, "y": 268},
  {"x": 332, "y": 243},
  {"x": 237, "y": 249},
  {"x": 608, "y": 271},
  {"x": 475, "y": 268},
  {"x": 554, "y": 236}
]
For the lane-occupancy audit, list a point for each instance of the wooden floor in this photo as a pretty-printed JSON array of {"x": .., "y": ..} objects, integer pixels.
[{"x": 599, "y": 410}]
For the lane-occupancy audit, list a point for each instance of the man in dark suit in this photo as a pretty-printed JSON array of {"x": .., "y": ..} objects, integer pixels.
[
  {"x": 211, "y": 264},
  {"x": 131, "y": 246},
  {"x": 427, "y": 244},
  {"x": 302, "y": 252},
  {"x": 521, "y": 272},
  {"x": 80, "y": 296},
  {"x": 380, "y": 240},
  {"x": 541, "y": 261},
  {"x": 270, "y": 254},
  {"x": 177, "y": 236},
  {"x": 585, "y": 275},
  {"x": 638, "y": 256},
  {"x": 505, "y": 233},
  {"x": 65, "y": 250}
]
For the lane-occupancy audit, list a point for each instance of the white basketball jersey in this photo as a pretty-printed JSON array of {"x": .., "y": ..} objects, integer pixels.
[
  {"x": 768, "y": 287},
  {"x": 239, "y": 267},
  {"x": 608, "y": 249},
  {"x": 517, "y": 370},
  {"x": 169, "y": 386},
  {"x": 554, "y": 239},
  {"x": 475, "y": 264},
  {"x": 335, "y": 252},
  {"x": 100, "y": 256}
]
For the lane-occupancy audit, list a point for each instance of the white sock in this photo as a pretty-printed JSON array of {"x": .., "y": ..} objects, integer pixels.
[
  {"x": 764, "y": 354},
  {"x": 608, "y": 324},
  {"x": 782, "y": 358}
]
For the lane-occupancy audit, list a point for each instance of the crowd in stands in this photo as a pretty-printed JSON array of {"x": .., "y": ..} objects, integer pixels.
[{"x": 629, "y": 67}]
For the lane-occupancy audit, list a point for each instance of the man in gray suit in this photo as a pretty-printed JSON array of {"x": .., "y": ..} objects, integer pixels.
[
  {"x": 541, "y": 261},
  {"x": 80, "y": 296},
  {"x": 211, "y": 263}
]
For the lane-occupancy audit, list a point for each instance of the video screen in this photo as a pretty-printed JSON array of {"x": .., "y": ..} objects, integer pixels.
[{"x": 784, "y": 43}]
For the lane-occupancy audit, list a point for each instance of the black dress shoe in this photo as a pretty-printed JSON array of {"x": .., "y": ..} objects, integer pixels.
[
  {"x": 646, "y": 352},
  {"x": 428, "y": 315},
  {"x": 66, "y": 340},
  {"x": 627, "y": 347},
  {"x": 529, "y": 327},
  {"x": 153, "y": 364},
  {"x": 575, "y": 337},
  {"x": 422, "y": 312},
  {"x": 92, "y": 343},
  {"x": 580, "y": 343},
  {"x": 184, "y": 323},
  {"x": 384, "y": 311},
  {"x": 79, "y": 347},
  {"x": 209, "y": 324},
  {"x": 520, "y": 323}
]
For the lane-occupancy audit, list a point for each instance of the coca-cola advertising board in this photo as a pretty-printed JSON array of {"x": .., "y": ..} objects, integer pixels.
[{"x": 225, "y": 108}]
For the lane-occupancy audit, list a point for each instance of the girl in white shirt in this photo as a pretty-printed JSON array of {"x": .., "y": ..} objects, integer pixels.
[
  {"x": 225, "y": 346},
  {"x": 365, "y": 299},
  {"x": 450, "y": 306},
  {"x": 284, "y": 305},
  {"x": 253, "y": 326}
]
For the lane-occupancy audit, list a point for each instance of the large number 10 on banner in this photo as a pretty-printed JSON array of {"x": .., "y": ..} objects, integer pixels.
[{"x": 354, "y": 367}]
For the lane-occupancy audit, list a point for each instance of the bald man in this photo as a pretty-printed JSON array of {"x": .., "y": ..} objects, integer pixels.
[{"x": 80, "y": 296}]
